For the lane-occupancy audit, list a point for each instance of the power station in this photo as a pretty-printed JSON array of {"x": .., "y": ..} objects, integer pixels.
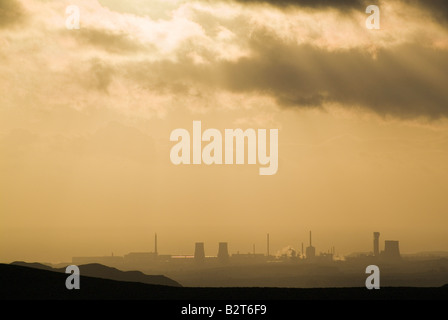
[
  {"x": 391, "y": 249},
  {"x": 140, "y": 260}
]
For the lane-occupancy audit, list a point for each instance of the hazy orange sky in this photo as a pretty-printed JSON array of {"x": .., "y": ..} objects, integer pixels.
[{"x": 86, "y": 116}]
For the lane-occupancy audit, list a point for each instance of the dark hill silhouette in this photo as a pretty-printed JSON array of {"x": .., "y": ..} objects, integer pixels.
[
  {"x": 25, "y": 283},
  {"x": 97, "y": 270},
  {"x": 35, "y": 265}
]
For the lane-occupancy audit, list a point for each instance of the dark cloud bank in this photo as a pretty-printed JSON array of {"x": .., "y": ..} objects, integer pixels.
[
  {"x": 306, "y": 76},
  {"x": 11, "y": 13},
  {"x": 438, "y": 8},
  {"x": 343, "y": 4},
  {"x": 405, "y": 82}
]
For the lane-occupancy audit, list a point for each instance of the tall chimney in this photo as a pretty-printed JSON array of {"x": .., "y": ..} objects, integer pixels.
[
  {"x": 268, "y": 243},
  {"x": 155, "y": 243},
  {"x": 310, "y": 251},
  {"x": 376, "y": 244}
]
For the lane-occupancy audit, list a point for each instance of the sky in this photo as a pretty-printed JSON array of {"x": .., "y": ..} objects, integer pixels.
[{"x": 86, "y": 116}]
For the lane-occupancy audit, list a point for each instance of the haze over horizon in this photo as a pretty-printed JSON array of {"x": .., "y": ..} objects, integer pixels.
[{"x": 86, "y": 117}]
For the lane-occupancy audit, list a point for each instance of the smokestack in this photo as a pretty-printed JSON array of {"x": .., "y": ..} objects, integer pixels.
[
  {"x": 268, "y": 244},
  {"x": 155, "y": 243},
  {"x": 310, "y": 251},
  {"x": 223, "y": 252},
  {"x": 376, "y": 244},
  {"x": 303, "y": 252},
  {"x": 254, "y": 248},
  {"x": 199, "y": 252}
]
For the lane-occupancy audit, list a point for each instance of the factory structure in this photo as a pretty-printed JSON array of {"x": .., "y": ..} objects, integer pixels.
[
  {"x": 391, "y": 249},
  {"x": 145, "y": 260}
]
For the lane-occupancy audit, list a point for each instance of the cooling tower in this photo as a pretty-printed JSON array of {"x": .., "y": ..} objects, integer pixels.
[
  {"x": 223, "y": 253},
  {"x": 199, "y": 252},
  {"x": 391, "y": 250}
]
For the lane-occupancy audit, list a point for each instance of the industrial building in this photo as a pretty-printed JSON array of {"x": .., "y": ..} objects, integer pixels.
[
  {"x": 145, "y": 260},
  {"x": 391, "y": 249}
]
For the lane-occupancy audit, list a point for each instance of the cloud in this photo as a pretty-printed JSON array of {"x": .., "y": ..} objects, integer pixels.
[
  {"x": 156, "y": 9},
  {"x": 406, "y": 81},
  {"x": 11, "y": 13},
  {"x": 437, "y": 8},
  {"x": 340, "y": 4},
  {"x": 296, "y": 58},
  {"x": 118, "y": 43},
  {"x": 101, "y": 75}
]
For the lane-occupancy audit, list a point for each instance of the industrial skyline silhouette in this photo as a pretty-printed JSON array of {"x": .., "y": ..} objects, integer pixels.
[{"x": 391, "y": 253}]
